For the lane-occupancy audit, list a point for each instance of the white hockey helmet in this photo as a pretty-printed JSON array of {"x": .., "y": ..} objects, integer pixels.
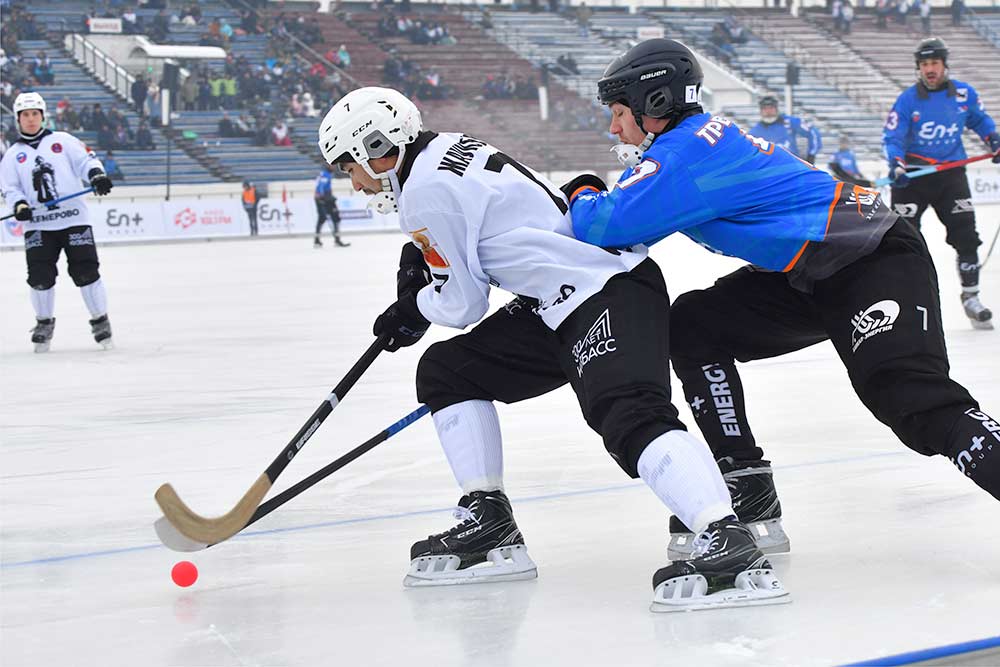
[
  {"x": 28, "y": 101},
  {"x": 368, "y": 123}
]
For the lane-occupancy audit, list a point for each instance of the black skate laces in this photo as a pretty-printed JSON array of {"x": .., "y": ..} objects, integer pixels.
[{"x": 704, "y": 543}]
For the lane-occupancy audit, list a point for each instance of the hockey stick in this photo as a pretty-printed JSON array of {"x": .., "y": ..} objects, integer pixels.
[
  {"x": 217, "y": 529},
  {"x": 50, "y": 204},
  {"x": 934, "y": 168},
  {"x": 172, "y": 539},
  {"x": 992, "y": 246}
]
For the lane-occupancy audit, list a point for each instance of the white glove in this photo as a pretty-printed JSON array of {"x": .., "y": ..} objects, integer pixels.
[{"x": 627, "y": 154}]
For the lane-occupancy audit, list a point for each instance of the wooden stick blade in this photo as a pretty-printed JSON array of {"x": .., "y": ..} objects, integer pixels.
[
  {"x": 173, "y": 539},
  {"x": 210, "y": 530}
]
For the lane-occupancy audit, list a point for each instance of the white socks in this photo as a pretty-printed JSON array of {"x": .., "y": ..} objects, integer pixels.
[
  {"x": 470, "y": 435},
  {"x": 95, "y": 298},
  {"x": 44, "y": 303},
  {"x": 680, "y": 470}
]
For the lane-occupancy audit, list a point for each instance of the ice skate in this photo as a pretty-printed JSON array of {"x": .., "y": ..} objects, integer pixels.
[
  {"x": 317, "y": 243},
  {"x": 101, "y": 328},
  {"x": 755, "y": 501},
  {"x": 41, "y": 333},
  {"x": 485, "y": 547},
  {"x": 727, "y": 570},
  {"x": 339, "y": 243},
  {"x": 979, "y": 315}
]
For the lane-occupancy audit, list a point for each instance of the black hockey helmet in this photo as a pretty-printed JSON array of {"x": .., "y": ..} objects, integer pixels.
[
  {"x": 932, "y": 47},
  {"x": 659, "y": 78},
  {"x": 768, "y": 101}
]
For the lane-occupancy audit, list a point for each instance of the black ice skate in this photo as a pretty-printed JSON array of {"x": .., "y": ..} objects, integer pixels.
[
  {"x": 755, "y": 501},
  {"x": 101, "y": 328},
  {"x": 486, "y": 546},
  {"x": 339, "y": 243},
  {"x": 727, "y": 570},
  {"x": 41, "y": 333},
  {"x": 317, "y": 243},
  {"x": 979, "y": 315}
]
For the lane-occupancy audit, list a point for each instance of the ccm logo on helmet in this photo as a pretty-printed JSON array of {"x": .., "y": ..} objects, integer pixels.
[
  {"x": 653, "y": 75},
  {"x": 362, "y": 128}
]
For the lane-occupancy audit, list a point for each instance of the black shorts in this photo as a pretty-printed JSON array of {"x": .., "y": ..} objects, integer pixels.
[{"x": 42, "y": 249}]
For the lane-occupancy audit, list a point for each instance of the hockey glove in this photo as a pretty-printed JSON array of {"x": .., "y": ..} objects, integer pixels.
[
  {"x": 582, "y": 182},
  {"x": 898, "y": 175},
  {"x": 22, "y": 211},
  {"x": 100, "y": 182},
  {"x": 403, "y": 322},
  {"x": 811, "y": 158},
  {"x": 413, "y": 274},
  {"x": 993, "y": 139}
]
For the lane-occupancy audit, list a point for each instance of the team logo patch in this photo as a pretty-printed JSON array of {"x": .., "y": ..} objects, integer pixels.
[
  {"x": 429, "y": 247},
  {"x": 14, "y": 227},
  {"x": 641, "y": 171},
  {"x": 905, "y": 210},
  {"x": 21, "y": 157},
  {"x": 915, "y": 116},
  {"x": 57, "y": 147},
  {"x": 597, "y": 342},
  {"x": 877, "y": 318},
  {"x": 979, "y": 445},
  {"x": 961, "y": 94},
  {"x": 962, "y": 206}
]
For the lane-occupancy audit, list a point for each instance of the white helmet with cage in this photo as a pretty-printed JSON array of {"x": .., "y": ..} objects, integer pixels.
[{"x": 368, "y": 123}]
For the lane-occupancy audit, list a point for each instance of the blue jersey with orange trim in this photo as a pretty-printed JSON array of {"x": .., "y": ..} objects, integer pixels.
[
  {"x": 733, "y": 193},
  {"x": 785, "y": 132},
  {"x": 845, "y": 160},
  {"x": 926, "y": 126}
]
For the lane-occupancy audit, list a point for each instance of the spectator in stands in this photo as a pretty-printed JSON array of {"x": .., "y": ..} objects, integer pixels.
[
  {"x": 229, "y": 91},
  {"x": 43, "y": 69},
  {"x": 250, "y": 201},
  {"x": 144, "y": 138},
  {"x": 116, "y": 118},
  {"x": 243, "y": 126},
  {"x": 226, "y": 31},
  {"x": 161, "y": 26},
  {"x": 130, "y": 22},
  {"x": 567, "y": 64},
  {"x": 111, "y": 167},
  {"x": 140, "y": 89},
  {"x": 123, "y": 138},
  {"x": 902, "y": 9},
  {"x": 847, "y": 17},
  {"x": 280, "y": 135},
  {"x": 153, "y": 103},
  {"x": 226, "y": 128},
  {"x": 837, "y": 13},
  {"x": 343, "y": 57},
  {"x": 486, "y": 19},
  {"x": 68, "y": 120},
  {"x": 844, "y": 165},
  {"x": 882, "y": 10},
  {"x": 925, "y": 16},
  {"x": 191, "y": 14},
  {"x": 97, "y": 117},
  {"x": 204, "y": 95},
  {"x": 189, "y": 93},
  {"x": 215, "y": 86},
  {"x": 957, "y": 8},
  {"x": 583, "y": 14},
  {"x": 720, "y": 38},
  {"x": 248, "y": 22},
  {"x": 105, "y": 137}
]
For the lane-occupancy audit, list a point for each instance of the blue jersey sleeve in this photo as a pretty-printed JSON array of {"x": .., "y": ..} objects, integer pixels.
[
  {"x": 897, "y": 127},
  {"x": 649, "y": 202},
  {"x": 979, "y": 121},
  {"x": 804, "y": 128}
]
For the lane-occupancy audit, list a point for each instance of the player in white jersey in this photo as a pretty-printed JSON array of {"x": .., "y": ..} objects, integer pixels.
[
  {"x": 584, "y": 315},
  {"x": 40, "y": 167}
]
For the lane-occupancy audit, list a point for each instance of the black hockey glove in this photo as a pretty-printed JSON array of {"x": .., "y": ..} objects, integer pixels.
[
  {"x": 898, "y": 175},
  {"x": 22, "y": 211},
  {"x": 583, "y": 180},
  {"x": 100, "y": 182},
  {"x": 811, "y": 158},
  {"x": 993, "y": 139},
  {"x": 413, "y": 274},
  {"x": 402, "y": 322}
]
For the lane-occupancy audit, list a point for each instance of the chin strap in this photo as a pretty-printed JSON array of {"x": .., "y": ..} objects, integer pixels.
[
  {"x": 385, "y": 202},
  {"x": 630, "y": 155}
]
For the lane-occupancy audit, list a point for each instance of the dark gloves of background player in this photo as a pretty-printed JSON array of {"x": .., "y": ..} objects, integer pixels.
[
  {"x": 402, "y": 320},
  {"x": 100, "y": 182},
  {"x": 582, "y": 183},
  {"x": 993, "y": 139},
  {"x": 811, "y": 158},
  {"x": 898, "y": 175}
]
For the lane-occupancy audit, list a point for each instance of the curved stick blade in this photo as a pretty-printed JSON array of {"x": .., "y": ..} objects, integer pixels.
[
  {"x": 211, "y": 530},
  {"x": 173, "y": 539}
]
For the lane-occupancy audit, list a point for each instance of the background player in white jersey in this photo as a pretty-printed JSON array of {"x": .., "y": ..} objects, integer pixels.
[
  {"x": 592, "y": 317},
  {"x": 40, "y": 167}
]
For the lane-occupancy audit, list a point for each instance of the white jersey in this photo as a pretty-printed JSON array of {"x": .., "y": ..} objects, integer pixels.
[
  {"x": 484, "y": 220},
  {"x": 58, "y": 167}
]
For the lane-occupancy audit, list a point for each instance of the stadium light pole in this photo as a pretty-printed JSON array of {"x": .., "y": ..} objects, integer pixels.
[{"x": 165, "y": 115}]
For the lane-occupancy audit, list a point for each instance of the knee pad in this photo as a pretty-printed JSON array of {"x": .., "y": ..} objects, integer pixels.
[
  {"x": 84, "y": 273},
  {"x": 686, "y": 339},
  {"x": 438, "y": 385},
  {"x": 629, "y": 421},
  {"x": 42, "y": 276}
]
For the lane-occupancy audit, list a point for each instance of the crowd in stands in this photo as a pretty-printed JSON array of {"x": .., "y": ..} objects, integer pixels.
[
  {"x": 505, "y": 87},
  {"x": 566, "y": 64},
  {"x": 413, "y": 80},
  {"x": 899, "y": 10},
  {"x": 417, "y": 30},
  {"x": 726, "y": 35}
]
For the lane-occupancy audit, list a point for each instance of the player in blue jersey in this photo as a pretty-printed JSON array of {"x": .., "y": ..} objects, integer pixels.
[
  {"x": 784, "y": 130},
  {"x": 829, "y": 261},
  {"x": 844, "y": 164},
  {"x": 326, "y": 208},
  {"x": 925, "y": 127}
]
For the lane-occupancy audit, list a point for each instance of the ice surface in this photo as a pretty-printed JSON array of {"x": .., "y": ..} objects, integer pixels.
[{"x": 224, "y": 349}]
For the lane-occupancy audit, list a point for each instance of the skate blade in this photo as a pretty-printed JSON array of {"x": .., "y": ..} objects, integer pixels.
[
  {"x": 106, "y": 344},
  {"x": 752, "y": 588},
  {"x": 770, "y": 535},
  {"x": 502, "y": 564},
  {"x": 982, "y": 326},
  {"x": 41, "y": 347}
]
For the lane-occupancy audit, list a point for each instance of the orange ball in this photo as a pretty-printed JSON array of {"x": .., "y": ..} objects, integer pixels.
[{"x": 184, "y": 573}]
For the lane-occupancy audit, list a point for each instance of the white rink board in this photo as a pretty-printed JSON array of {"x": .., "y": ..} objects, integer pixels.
[{"x": 223, "y": 350}]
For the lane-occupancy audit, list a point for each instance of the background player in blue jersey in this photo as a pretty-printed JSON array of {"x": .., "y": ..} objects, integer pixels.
[
  {"x": 925, "y": 127},
  {"x": 785, "y": 130},
  {"x": 326, "y": 208},
  {"x": 829, "y": 262},
  {"x": 844, "y": 164}
]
